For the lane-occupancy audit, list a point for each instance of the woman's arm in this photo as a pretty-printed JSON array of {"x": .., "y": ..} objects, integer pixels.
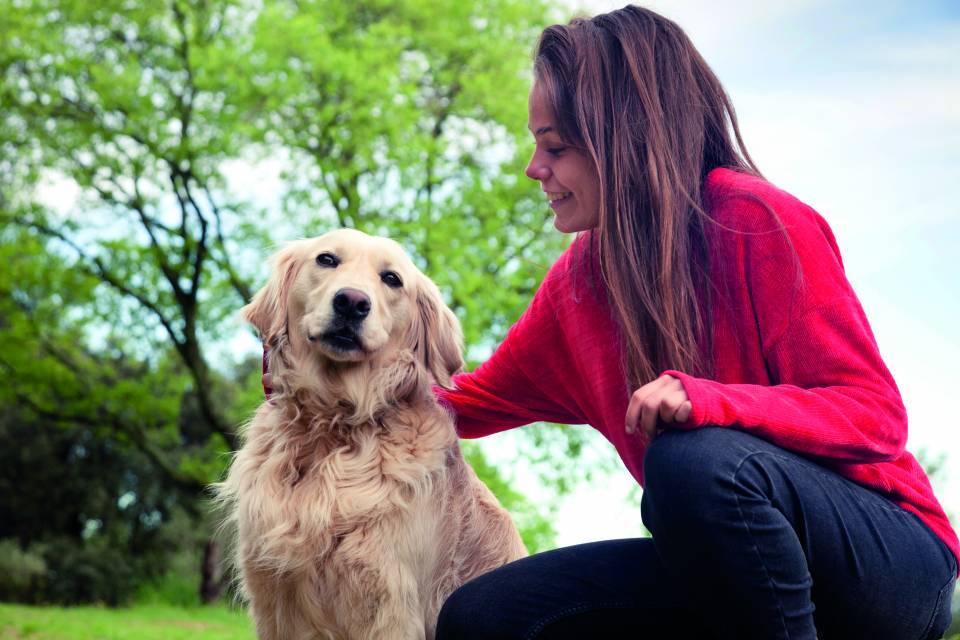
[
  {"x": 518, "y": 384},
  {"x": 498, "y": 396},
  {"x": 832, "y": 395}
]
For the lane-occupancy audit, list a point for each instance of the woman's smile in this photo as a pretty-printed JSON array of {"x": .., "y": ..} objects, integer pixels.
[{"x": 557, "y": 199}]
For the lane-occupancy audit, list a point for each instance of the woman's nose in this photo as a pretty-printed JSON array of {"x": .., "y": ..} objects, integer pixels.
[{"x": 536, "y": 169}]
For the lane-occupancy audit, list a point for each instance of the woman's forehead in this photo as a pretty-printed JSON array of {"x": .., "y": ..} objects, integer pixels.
[{"x": 540, "y": 115}]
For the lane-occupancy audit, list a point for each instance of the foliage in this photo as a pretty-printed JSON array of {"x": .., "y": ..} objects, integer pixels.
[
  {"x": 64, "y": 571},
  {"x": 89, "y": 509},
  {"x": 21, "y": 572},
  {"x": 117, "y": 327},
  {"x": 87, "y": 573}
]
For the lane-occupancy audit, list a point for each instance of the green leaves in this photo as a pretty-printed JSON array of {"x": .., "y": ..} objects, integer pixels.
[{"x": 403, "y": 118}]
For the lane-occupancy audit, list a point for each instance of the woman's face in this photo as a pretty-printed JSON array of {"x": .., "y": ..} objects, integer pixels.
[{"x": 566, "y": 174}]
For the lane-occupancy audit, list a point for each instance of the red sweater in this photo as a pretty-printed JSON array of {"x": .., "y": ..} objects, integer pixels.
[{"x": 795, "y": 360}]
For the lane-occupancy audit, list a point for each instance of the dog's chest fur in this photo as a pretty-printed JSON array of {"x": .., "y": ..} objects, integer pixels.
[
  {"x": 317, "y": 502},
  {"x": 309, "y": 486}
]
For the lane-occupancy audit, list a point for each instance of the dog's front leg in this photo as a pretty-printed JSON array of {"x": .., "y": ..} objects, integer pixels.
[
  {"x": 397, "y": 620},
  {"x": 378, "y": 601},
  {"x": 274, "y": 606}
]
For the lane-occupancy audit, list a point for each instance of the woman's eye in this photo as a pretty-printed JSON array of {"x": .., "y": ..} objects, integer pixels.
[
  {"x": 556, "y": 151},
  {"x": 391, "y": 279},
  {"x": 328, "y": 260}
]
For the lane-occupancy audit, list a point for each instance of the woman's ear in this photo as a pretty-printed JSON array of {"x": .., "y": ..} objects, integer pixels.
[
  {"x": 439, "y": 339},
  {"x": 268, "y": 309}
]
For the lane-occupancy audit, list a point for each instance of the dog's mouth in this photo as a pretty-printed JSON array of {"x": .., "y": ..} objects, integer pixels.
[{"x": 341, "y": 339}]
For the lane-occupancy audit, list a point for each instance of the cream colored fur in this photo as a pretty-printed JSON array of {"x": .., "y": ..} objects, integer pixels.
[{"x": 356, "y": 515}]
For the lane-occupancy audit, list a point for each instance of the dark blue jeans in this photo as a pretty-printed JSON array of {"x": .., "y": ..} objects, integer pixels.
[{"x": 749, "y": 541}]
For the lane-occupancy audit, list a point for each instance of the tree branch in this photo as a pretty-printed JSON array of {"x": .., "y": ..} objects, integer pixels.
[
  {"x": 100, "y": 271},
  {"x": 201, "y": 250},
  {"x": 239, "y": 285},
  {"x": 186, "y": 99}
]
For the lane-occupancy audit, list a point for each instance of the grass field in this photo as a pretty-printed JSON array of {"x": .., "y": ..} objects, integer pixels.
[
  {"x": 136, "y": 623},
  {"x": 159, "y": 622}
]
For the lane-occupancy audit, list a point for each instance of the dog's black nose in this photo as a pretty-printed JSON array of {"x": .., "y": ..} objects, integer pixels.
[{"x": 351, "y": 304}]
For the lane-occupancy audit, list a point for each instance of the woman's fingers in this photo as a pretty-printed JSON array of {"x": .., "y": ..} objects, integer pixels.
[
  {"x": 663, "y": 399},
  {"x": 650, "y": 410},
  {"x": 635, "y": 407},
  {"x": 673, "y": 401}
]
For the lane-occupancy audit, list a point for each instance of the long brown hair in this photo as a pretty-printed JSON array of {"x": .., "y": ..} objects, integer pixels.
[{"x": 630, "y": 89}]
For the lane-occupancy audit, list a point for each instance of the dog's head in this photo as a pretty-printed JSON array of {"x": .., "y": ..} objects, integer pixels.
[{"x": 347, "y": 297}]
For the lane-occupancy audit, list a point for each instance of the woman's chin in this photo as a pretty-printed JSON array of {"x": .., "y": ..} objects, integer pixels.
[
  {"x": 566, "y": 224},
  {"x": 568, "y": 217}
]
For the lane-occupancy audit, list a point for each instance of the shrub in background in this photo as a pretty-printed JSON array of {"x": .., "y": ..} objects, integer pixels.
[
  {"x": 22, "y": 572},
  {"x": 88, "y": 573}
]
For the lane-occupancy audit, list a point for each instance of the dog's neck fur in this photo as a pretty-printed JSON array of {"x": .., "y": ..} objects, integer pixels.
[{"x": 309, "y": 386}]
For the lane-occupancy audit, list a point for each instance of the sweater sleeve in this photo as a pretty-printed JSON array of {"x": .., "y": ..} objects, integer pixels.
[
  {"x": 831, "y": 396},
  {"x": 517, "y": 385}
]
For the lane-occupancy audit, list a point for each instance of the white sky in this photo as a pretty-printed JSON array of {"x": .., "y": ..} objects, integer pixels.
[{"x": 854, "y": 107}]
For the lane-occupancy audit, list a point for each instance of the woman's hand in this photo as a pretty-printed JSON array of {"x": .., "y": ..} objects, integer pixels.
[{"x": 664, "y": 398}]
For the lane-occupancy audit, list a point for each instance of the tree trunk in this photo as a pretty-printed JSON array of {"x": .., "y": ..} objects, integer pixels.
[{"x": 211, "y": 582}]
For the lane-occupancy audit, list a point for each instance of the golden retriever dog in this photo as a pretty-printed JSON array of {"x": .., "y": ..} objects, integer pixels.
[{"x": 356, "y": 515}]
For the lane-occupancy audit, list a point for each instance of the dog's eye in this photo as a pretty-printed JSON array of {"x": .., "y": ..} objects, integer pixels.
[
  {"x": 391, "y": 279},
  {"x": 328, "y": 260}
]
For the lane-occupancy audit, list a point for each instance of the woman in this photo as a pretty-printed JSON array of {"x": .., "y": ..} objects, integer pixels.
[{"x": 703, "y": 323}]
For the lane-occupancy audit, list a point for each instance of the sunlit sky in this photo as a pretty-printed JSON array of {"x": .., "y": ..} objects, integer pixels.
[{"x": 854, "y": 107}]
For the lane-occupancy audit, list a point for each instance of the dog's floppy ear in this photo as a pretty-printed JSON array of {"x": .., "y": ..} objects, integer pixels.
[
  {"x": 439, "y": 339},
  {"x": 268, "y": 309}
]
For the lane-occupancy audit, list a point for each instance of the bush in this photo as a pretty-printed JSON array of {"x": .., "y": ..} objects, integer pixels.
[
  {"x": 62, "y": 571},
  {"x": 22, "y": 572},
  {"x": 93, "y": 520},
  {"x": 89, "y": 573}
]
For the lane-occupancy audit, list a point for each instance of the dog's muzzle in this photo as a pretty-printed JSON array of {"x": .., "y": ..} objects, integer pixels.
[{"x": 350, "y": 307}]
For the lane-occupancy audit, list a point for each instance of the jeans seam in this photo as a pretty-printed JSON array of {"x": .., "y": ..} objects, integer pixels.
[
  {"x": 756, "y": 547},
  {"x": 578, "y": 608},
  {"x": 943, "y": 592},
  {"x": 936, "y": 610}
]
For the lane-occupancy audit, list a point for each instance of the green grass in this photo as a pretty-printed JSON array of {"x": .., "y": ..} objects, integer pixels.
[
  {"x": 150, "y": 622},
  {"x": 144, "y": 622}
]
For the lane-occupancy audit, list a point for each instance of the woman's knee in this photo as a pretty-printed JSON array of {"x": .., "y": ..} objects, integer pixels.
[
  {"x": 687, "y": 474},
  {"x": 466, "y": 614},
  {"x": 676, "y": 458},
  {"x": 456, "y": 615}
]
